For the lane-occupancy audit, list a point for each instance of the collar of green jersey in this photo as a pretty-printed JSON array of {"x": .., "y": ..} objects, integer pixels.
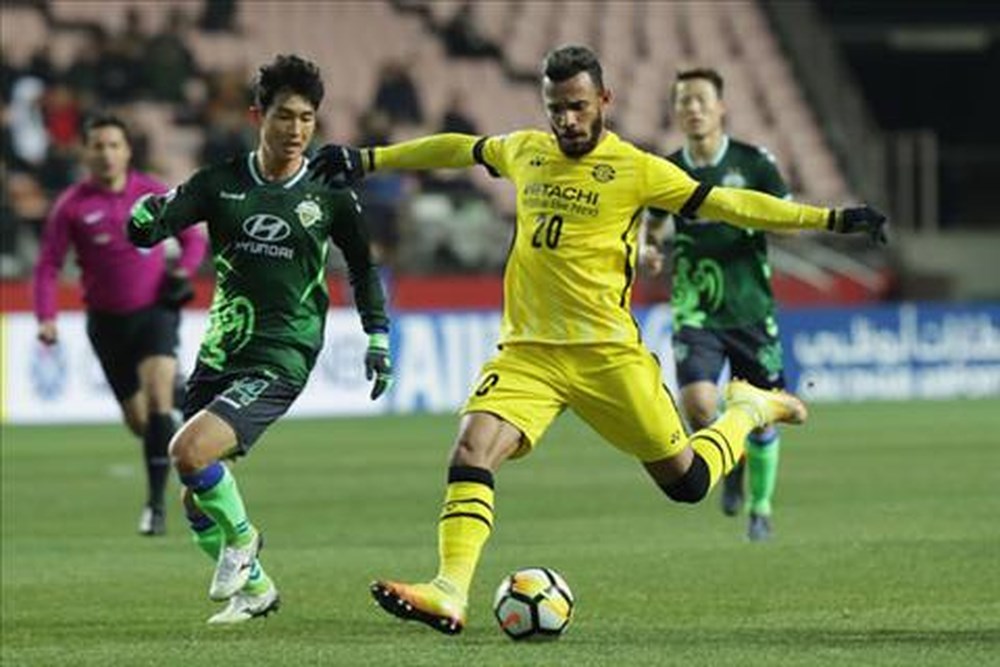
[
  {"x": 689, "y": 160},
  {"x": 288, "y": 183}
]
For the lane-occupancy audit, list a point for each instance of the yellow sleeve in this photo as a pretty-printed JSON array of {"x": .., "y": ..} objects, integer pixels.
[
  {"x": 664, "y": 185},
  {"x": 669, "y": 187},
  {"x": 491, "y": 152},
  {"x": 437, "y": 151},
  {"x": 757, "y": 210}
]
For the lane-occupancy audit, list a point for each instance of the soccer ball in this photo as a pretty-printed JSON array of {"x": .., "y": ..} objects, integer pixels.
[{"x": 533, "y": 603}]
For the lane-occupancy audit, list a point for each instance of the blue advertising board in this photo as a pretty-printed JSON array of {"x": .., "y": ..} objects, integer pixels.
[{"x": 905, "y": 351}]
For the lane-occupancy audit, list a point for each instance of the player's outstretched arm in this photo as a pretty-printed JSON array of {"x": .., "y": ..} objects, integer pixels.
[
  {"x": 747, "y": 208},
  {"x": 335, "y": 164}
]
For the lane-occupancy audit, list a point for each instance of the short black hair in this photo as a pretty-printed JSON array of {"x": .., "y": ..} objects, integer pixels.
[
  {"x": 709, "y": 74},
  {"x": 105, "y": 119},
  {"x": 565, "y": 62},
  {"x": 287, "y": 73}
]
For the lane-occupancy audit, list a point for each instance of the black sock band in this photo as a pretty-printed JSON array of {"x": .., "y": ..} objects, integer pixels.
[{"x": 470, "y": 474}]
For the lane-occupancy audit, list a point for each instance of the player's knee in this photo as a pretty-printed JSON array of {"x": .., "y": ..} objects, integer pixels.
[
  {"x": 701, "y": 414},
  {"x": 188, "y": 451},
  {"x": 692, "y": 486},
  {"x": 469, "y": 450}
]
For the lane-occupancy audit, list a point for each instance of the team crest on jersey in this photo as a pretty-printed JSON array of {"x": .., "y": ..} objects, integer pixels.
[
  {"x": 309, "y": 212},
  {"x": 603, "y": 173},
  {"x": 537, "y": 161},
  {"x": 734, "y": 179}
]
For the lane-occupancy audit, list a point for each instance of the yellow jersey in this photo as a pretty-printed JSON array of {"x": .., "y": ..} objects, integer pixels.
[{"x": 572, "y": 263}]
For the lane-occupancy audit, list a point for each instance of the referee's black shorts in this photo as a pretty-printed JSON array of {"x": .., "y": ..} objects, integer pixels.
[{"x": 123, "y": 340}]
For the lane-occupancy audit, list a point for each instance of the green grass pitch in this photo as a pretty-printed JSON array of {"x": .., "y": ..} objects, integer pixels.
[{"x": 887, "y": 549}]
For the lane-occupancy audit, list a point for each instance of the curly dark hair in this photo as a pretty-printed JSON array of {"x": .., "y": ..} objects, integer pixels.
[
  {"x": 565, "y": 62},
  {"x": 287, "y": 73}
]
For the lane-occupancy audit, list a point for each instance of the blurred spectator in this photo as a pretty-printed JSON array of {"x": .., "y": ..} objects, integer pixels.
[
  {"x": 227, "y": 132},
  {"x": 29, "y": 140},
  {"x": 462, "y": 38},
  {"x": 397, "y": 95},
  {"x": 62, "y": 117},
  {"x": 23, "y": 206},
  {"x": 456, "y": 118},
  {"x": 383, "y": 193},
  {"x": 218, "y": 16},
  {"x": 83, "y": 75},
  {"x": 120, "y": 64},
  {"x": 7, "y": 76},
  {"x": 10, "y": 228},
  {"x": 40, "y": 65},
  {"x": 169, "y": 57}
]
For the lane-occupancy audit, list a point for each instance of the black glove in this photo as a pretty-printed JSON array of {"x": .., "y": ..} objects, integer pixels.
[
  {"x": 859, "y": 220},
  {"x": 337, "y": 165},
  {"x": 378, "y": 364},
  {"x": 176, "y": 290}
]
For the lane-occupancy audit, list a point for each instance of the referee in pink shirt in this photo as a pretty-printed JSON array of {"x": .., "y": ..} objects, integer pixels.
[{"x": 133, "y": 301}]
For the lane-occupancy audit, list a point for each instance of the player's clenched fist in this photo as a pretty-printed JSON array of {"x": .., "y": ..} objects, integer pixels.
[{"x": 859, "y": 220}]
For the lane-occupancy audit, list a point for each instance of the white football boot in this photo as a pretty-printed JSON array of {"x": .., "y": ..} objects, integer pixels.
[
  {"x": 243, "y": 606},
  {"x": 233, "y": 568}
]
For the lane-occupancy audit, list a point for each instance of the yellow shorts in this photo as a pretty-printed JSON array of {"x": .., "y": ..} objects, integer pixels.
[{"x": 615, "y": 388}]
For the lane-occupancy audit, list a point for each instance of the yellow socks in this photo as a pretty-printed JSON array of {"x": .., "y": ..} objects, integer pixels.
[
  {"x": 465, "y": 524},
  {"x": 722, "y": 444}
]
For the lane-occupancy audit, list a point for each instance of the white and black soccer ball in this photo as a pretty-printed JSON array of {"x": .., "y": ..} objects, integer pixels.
[{"x": 533, "y": 603}]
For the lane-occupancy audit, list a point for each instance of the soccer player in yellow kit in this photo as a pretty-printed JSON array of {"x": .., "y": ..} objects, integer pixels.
[{"x": 568, "y": 338}]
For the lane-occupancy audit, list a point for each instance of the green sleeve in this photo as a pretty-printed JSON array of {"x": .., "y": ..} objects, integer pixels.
[
  {"x": 186, "y": 205},
  {"x": 349, "y": 233}
]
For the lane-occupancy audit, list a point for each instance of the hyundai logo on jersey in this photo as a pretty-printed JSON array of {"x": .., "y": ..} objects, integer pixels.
[{"x": 266, "y": 227}]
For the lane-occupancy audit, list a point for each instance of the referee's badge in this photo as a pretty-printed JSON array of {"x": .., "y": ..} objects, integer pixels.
[{"x": 309, "y": 212}]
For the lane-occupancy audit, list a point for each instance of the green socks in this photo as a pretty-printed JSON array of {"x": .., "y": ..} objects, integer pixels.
[
  {"x": 762, "y": 464},
  {"x": 217, "y": 495}
]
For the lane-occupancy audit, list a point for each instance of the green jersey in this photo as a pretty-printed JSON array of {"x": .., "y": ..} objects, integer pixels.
[
  {"x": 721, "y": 276},
  {"x": 269, "y": 245}
]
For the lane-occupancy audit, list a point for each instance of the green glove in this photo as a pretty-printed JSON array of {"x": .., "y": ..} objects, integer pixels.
[
  {"x": 378, "y": 364},
  {"x": 147, "y": 209}
]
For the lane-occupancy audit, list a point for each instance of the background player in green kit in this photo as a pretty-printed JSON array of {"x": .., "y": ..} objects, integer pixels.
[
  {"x": 722, "y": 303},
  {"x": 270, "y": 229}
]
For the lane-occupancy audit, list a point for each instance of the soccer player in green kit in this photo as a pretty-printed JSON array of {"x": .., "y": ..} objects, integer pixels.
[
  {"x": 270, "y": 229},
  {"x": 721, "y": 297}
]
